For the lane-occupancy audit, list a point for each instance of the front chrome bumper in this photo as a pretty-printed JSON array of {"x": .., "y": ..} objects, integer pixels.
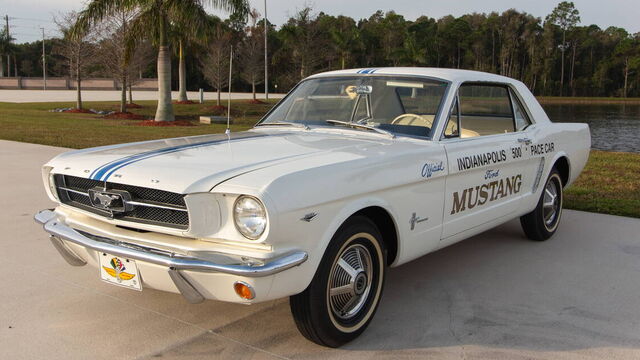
[{"x": 174, "y": 262}]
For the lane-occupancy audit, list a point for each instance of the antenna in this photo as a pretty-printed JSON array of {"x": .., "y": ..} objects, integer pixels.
[{"x": 228, "y": 131}]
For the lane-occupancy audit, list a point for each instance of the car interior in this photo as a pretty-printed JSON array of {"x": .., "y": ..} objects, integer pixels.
[
  {"x": 485, "y": 109},
  {"x": 397, "y": 105}
]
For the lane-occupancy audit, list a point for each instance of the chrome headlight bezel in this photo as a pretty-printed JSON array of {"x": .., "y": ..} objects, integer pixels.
[
  {"x": 258, "y": 212},
  {"x": 49, "y": 183}
]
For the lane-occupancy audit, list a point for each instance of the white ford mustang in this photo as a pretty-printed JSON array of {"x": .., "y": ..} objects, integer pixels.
[{"x": 352, "y": 172}]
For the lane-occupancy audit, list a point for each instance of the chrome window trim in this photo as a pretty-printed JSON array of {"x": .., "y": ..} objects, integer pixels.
[
  {"x": 515, "y": 100},
  {"x": 511, "y": 88}
]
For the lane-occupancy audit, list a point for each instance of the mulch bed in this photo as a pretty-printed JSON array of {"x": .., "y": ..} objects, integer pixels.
[
  {"x": 125, "y": 115},
  {"x": 166, "y": 123},
  {"x": 78, "y": 111},
  {"x": 134, "y": 106},
  {"x": 187, "y": 102},
  {"x": 256, "y": 101},
  {"x": 216, "y": 108}
]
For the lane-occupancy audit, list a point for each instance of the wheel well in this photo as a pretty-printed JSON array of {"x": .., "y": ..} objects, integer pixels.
[
  {"x": 562, "y": 164},
  {"x": 387, "y": 228}
]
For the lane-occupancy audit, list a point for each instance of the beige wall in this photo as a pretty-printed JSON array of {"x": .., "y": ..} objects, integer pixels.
[{"x": 64, "y": 83}]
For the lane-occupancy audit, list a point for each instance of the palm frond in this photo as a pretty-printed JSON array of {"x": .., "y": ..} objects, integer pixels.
[
  {"x": 143, "y": 26},
  {"x": 96, "y": 11}
]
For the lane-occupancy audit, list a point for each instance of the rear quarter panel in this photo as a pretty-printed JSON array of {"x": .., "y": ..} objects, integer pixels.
[{"x": 569, "y": 140}]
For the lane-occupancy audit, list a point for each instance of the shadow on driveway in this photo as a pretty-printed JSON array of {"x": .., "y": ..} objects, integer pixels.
[{"x": 494, "y": 295}]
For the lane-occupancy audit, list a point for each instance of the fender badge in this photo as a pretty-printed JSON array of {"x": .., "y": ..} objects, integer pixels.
[
  {"x": 415, "y": 219},
  {"x": 309, "y": 217},
  {"x": 429, "y": 169}
]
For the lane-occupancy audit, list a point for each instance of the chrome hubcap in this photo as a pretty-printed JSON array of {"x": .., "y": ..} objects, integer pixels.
[
  {"x": 551, "y": 203},
  {"x": 350, "y": 281}
]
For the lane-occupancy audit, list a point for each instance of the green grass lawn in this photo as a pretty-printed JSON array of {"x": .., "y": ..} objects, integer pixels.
[
  {"x": 32, "y": 122},
  {"x": 609, "y": 184}
]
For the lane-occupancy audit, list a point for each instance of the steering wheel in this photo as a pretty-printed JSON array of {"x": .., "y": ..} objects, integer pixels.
[{"x": 412, "y": 119}]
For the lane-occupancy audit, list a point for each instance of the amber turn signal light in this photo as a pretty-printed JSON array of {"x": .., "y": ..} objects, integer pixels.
[{"x": 244, "y": 290}]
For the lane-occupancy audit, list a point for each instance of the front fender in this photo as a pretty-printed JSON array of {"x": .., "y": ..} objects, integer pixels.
[{"x": 328, "y": 220}]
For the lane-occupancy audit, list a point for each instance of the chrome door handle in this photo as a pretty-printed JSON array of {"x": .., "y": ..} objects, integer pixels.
[{"x": 525, "y": 141}]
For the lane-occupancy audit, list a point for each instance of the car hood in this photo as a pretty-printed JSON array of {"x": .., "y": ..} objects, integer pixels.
[{"x": 198, "y": 163}]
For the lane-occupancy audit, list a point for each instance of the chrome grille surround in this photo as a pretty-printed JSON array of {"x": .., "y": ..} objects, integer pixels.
[{"x": 150, "y": 206}]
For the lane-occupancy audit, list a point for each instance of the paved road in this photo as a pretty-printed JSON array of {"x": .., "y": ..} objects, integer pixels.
[
  {"x": 21, "y": 96},
  {"x": 494, "y": 296}
]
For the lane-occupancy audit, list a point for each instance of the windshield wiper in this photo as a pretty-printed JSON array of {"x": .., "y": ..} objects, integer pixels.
[
  {"x": 361, "y": 126},
  {"x": 284, "y": 123}
]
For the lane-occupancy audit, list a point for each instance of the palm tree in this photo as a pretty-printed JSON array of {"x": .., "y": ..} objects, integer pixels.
[
  {"x": 154, "y": 19},
  {"x": 6, "y": 48},
  {"x": 182, "y": 73},
  {"x": 186, "y": 36}
]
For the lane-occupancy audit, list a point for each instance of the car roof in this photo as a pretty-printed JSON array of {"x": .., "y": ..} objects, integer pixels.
[{"x": 453, "y": 75}]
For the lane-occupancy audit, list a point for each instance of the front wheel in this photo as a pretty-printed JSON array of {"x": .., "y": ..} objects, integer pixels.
[
  {"x": 346, "y": 289},
  {"x": 542, "y": 222}
]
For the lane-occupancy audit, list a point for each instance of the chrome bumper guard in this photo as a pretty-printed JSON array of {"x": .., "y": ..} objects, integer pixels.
[{"x": 175, "y": 262}]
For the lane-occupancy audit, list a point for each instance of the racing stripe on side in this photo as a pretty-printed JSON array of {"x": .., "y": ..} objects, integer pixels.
[{"x": 103, "y": 172}]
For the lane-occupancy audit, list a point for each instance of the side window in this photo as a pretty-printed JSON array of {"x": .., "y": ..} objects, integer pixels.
[
  {"x": 452, "y": 124},
  {"x": 485, "y": 110},
  {"x": 522, "y": 120}
]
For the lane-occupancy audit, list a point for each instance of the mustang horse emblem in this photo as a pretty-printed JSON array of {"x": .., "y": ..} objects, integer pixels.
[
  {"x": 115, "y": 201},
  {"x": 105, "y": 199}
]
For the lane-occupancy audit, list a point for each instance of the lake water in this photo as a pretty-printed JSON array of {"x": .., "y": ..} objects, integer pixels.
[{"x": 614, "y": 127}]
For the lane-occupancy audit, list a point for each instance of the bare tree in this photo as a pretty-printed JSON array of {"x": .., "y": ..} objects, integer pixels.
[
  {"x": 121, "y": 59},
  {"x": 140, "y": 59},
  {"x": 77, "y": 49},
  {"x": 215, "y": 64},
  {"x": 251, "y": 51}
]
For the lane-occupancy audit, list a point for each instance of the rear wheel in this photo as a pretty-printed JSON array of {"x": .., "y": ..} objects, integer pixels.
[
  {"x": 542, "y": 222},
  {"x": 344, "y": 294}
]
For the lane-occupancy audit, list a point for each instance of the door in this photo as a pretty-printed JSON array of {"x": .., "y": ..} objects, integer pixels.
[{"x": 489, "y": 168}]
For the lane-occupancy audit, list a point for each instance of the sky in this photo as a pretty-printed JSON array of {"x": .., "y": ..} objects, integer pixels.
[{"x": 26, "y": 17}]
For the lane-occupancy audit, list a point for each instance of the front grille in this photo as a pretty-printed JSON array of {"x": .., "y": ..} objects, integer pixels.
[{"x": 152, "y": 206}]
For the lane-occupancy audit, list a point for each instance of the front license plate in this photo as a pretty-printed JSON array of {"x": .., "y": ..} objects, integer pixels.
[{"x": 119, "y": 271}]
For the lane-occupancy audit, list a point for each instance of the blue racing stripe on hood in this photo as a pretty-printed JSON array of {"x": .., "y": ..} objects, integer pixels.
[{"x": 103, "y": 172}]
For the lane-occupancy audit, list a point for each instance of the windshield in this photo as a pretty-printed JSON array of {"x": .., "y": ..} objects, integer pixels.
[{"x": 399, "y": 105}]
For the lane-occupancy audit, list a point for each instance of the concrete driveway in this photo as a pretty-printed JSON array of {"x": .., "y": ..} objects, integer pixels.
[{"x": 494, "y": 296}]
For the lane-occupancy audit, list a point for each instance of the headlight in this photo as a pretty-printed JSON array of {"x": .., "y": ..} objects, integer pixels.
[
  {"x": 249, "y": 216},
  {"x": 47, "y": 178}
]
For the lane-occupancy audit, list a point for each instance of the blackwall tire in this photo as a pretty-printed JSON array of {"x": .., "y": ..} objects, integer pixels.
[
  {"x": 543, "y": 221},
  {"x": 345, "y": 292}
]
